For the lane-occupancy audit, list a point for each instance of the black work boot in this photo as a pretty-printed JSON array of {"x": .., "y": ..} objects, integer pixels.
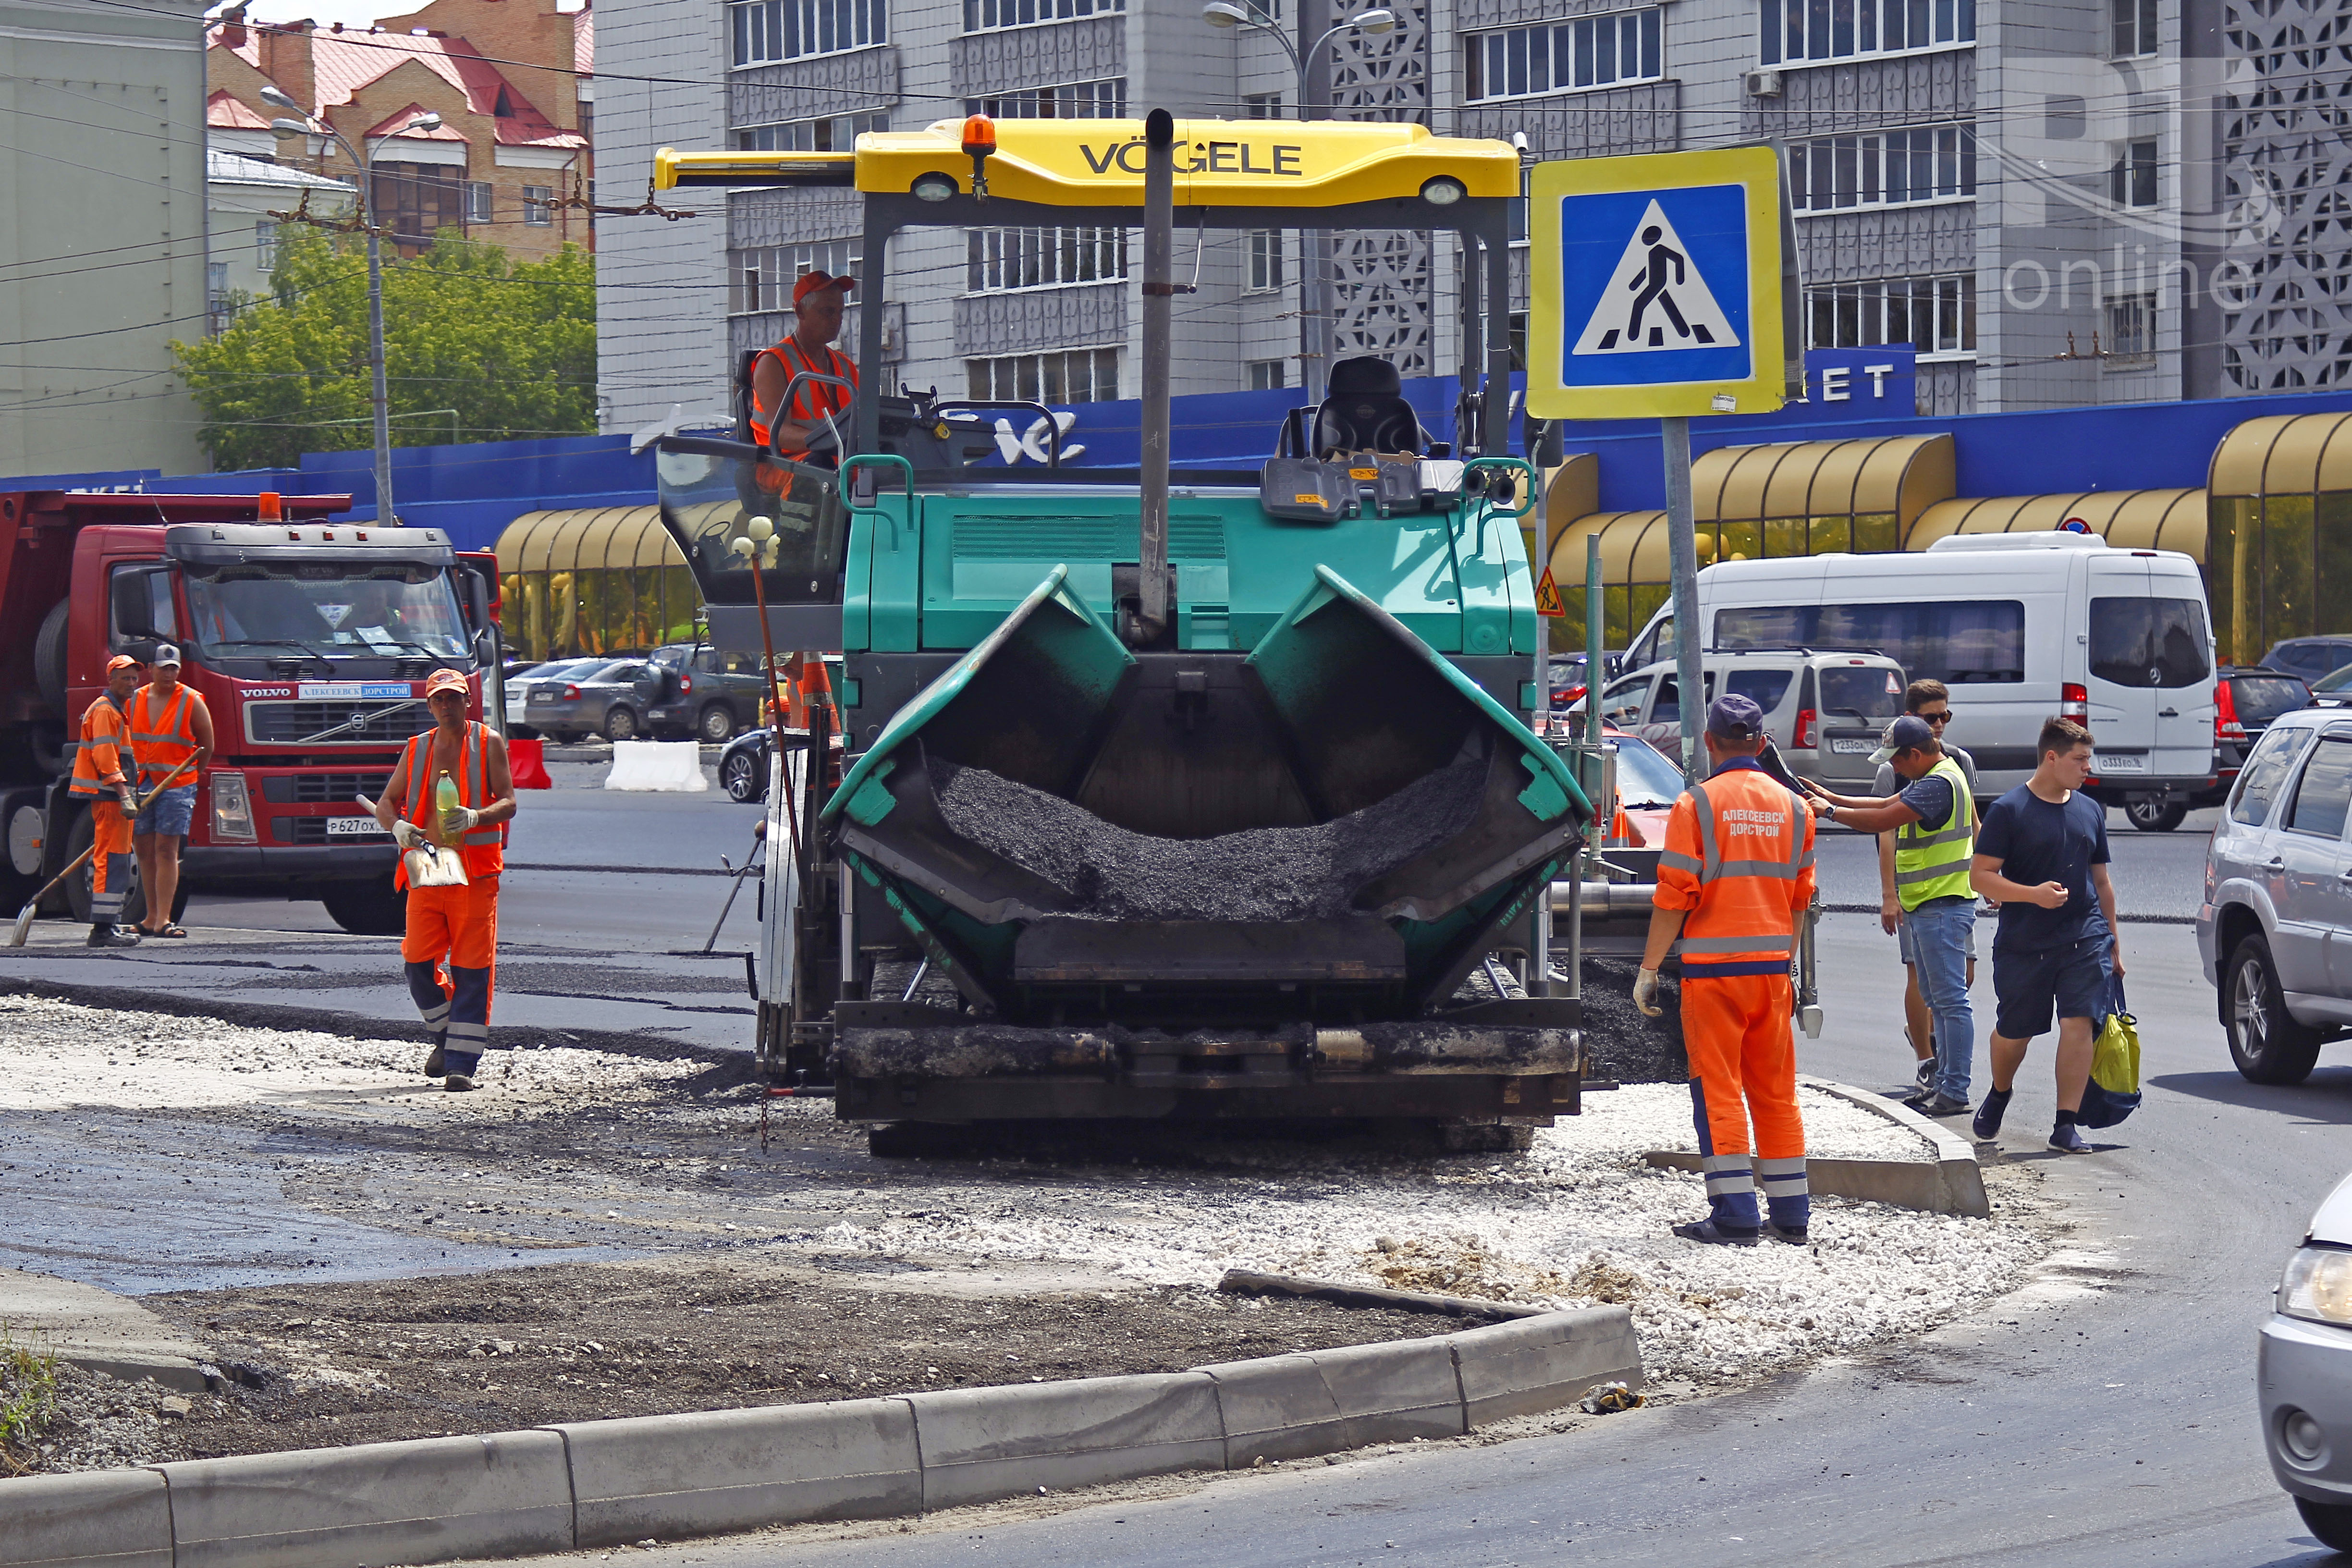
[{"x": 111, "y": 935}]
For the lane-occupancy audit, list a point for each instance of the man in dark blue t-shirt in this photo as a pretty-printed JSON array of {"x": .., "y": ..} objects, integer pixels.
[{"x": 2041, "y": 854}]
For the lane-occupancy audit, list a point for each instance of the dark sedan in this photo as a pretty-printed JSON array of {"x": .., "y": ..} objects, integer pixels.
[
  {"x": 612, "y": 702},
  {"x": 744, "y": 767}
]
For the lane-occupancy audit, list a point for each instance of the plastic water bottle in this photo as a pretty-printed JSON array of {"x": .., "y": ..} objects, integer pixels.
[{"x": 445, "y": 801}]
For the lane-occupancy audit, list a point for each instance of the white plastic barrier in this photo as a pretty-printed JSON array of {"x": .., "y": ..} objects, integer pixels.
[{"x": 673, "y": 765}]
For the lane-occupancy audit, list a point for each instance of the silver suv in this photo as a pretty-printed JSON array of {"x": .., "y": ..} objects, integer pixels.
[
  {"x": 2275, "y": 928},
  {"x": 1824, "y": 708}
]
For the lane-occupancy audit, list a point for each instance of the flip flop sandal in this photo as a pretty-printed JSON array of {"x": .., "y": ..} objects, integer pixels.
[{"x": 170, "y": 930}]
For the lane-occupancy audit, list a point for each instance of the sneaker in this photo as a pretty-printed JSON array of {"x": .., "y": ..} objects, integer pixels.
[
  {"x": 1937, "y": 1105},
  {"x": 1794, "y": 1235},
  {"x": 111, "y": 936},
  {"x": 2067, "y": 1139},
  {"x": 1987, "y": 1126},
  {"x": 435, "y": 1062},
  {"x": 1925, "y": 1076},
  {"x": 456, "y": 1083},
  {"x": 1705, "y": 1230}
]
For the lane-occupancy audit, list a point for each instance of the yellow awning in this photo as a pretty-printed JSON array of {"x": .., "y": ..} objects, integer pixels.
[
  {"x": 1904, "y": 475},
  {"x": 2133, "y": 519},
  {"x": 2284, "y": 454},
  {"x": 587, "y": 539},
  {"x": 1571, "y": 491},
  {"x": 1631, "y": 542}
]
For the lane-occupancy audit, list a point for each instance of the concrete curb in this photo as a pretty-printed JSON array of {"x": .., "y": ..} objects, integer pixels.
[
  {"x": 602, "y": 1483},
  {"x": 1952, "y": 1183}
]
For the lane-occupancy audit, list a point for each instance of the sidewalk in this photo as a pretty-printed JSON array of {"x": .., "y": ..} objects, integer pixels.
[{"x": 96, "y": 1329}]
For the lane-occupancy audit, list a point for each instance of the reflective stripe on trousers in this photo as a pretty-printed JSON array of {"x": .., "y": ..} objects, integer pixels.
[{"x": 1743, "y": 1060}]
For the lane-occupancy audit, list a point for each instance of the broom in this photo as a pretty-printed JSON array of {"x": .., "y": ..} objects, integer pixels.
[{"x": 24, "y": 916}]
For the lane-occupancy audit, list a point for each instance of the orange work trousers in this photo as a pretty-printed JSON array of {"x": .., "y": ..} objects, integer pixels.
[
  {"x": 111, "y": 862},
  {"x": 451, "y": 953},
  {"x": 1735, "y": 1030}
]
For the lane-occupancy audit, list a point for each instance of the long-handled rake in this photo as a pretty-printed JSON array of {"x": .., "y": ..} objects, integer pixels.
[{"x": 24, "y": 916}]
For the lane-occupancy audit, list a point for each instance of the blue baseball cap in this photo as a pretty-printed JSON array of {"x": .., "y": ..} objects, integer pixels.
[
  {"x": 1908, "y": 733},
  {"x": 1732, "y": 717}
]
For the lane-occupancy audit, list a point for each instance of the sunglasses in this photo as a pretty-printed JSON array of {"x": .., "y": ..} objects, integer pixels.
[{"x": 1943, "y": 718}]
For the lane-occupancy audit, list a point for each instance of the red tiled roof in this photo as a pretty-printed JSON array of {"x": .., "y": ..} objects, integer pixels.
[
  {"x": 583, "y": 41},
  {"x": 224, "y": 111},
  {"x": 391, "y": 126},
  {"x": 345, "y": 64}
]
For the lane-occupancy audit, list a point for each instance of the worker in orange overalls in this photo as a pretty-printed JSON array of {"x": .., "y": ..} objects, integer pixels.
[
  {"x": 456, "y": 929},
  {"x": 817, "y": 305},
  {"x": 170, "y": 724},
  {"x": 1735, "y": 878},
  {"x": 98, "y": 778}
]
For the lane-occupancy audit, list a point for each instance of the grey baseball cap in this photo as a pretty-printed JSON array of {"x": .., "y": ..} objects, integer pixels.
[
  {"x": 166, "y": 654},
  {"x": 1908, "y": 733},
  {"x": 1732, "y": 717}
]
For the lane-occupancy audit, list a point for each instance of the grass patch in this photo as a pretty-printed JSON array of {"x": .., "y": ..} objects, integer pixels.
[{"x": 29, "y": 1401}]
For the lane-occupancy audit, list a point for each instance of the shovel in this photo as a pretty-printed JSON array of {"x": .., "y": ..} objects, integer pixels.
[
  {"x": 24, "y": 916},
  {"x": 429, "y": 865}
]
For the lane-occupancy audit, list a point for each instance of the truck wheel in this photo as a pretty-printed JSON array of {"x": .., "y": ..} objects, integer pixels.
[
  {"x": 373, "y": 907},
  {"x": 78, "y": 838},
  {"x": 717, "y": 725},
  {"x": 2156, "y": 815},
  {"x": 620, "y": 724},
  {"x": 49, "y": 657},
  {"x": 2265, "y": 1041}
]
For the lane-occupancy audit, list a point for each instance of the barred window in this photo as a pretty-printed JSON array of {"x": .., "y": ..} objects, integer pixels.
[
  {"x": 764, "y": 31},
  {"x": 1882, "y": 168},
  {"x": 836, "y": 133},
  {"x": 1070, "y": 100},
  {"x": 1560, "y": 57},
  {"x": 1000, "y": 259},
  {"x": 1934, "y": 315},
  {"x": 1265, "y": 263},
  {"x": 762, "y": 277},
  {"x": 979, "y": 15},
  {"x": 1074, "y": 376},
  {"x": 1795, "y": 31},
  {"x": 2131, "y": 325}
]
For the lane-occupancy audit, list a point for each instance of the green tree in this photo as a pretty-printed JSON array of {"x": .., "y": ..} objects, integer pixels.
[{"x": 511, "y": 346}]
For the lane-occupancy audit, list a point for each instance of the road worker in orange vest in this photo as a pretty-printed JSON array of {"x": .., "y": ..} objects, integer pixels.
[
  {"x": 1735, "y": 879},
  {"x": 817, "y": 303},
  {"x": 169, "y": 724},
  {"x": 450, "y": 950},
  {"x": 98, "y": 779}
]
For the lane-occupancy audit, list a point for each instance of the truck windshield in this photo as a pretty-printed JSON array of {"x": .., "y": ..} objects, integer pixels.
[{"x": 332, "y": 609}]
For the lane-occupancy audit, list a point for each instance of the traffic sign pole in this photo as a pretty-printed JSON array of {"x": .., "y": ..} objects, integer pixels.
[{"x": 1682, "y": 555}]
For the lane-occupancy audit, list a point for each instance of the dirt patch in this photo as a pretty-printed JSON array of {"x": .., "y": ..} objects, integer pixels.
[{"x": 376, "y": 1362}]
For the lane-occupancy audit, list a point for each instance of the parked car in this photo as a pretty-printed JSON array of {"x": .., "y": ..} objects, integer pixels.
[
  {"x": 1567, "y": 678},
  {"x": 2332, "y": 689},
  {"x": 614, "y": 700},
  {"x": 2245, "y": 700},
  {"x": 2309, "y": 658},
  {"x": 1824, "y": 708},
  {"x": 2274, "y": 933},
  {"x": 744, "y": 767},
  {"x": 717, "y": 693},
  {"x": 2303, "y": 1374},
  {"x": 519, "y": 683}
]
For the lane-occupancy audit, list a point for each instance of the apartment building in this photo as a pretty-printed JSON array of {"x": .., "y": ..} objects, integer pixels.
[{"x": 2077, "y": 202}]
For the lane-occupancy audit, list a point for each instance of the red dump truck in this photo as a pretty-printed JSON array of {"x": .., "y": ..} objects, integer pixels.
[{"x": 309, "y": 640}]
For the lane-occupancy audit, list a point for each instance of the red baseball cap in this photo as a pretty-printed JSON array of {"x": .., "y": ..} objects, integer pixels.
[
  {"x": 121, "y": 661},
  {"x": 810, "y": 282},
  {"x": 445, "y": 680}
]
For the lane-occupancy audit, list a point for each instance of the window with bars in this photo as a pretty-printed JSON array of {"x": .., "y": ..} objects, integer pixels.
[
  {"x": 997, "y": 259},
  {"x": 1561, "y": 57},
  {"x": 2131, "y": 182},
  {"x": 761, "y": 277},
  {"x": 1070, "y": 100},
  {"x": 765, "y": 31},
  {"x": 2131, "y": 326},
  {"x": 1072, "y": 376},
  {"x": 1266, "y": 374},
  {"x": 2133, "y": 27},
  {"x": 979, "y": 16},
  {"x": 833, "y": 133},
  {"x": 1935, "y": 314},
  {"x": 1795, "y": 31},
  {"x": 416, "y": 201},
  {"x": 539, "y": 206},
  {"x": 1882, "y": 168},
  {"x": 1263, "y": 263}
]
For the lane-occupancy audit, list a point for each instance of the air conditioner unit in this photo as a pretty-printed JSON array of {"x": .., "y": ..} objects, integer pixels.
[{"x": 1763, "y": 84}]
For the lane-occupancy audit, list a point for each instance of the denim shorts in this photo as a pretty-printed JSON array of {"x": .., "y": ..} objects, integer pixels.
[
  {"x": 2028, "y": 987},
  {"x": 169, "y": 812},
  {"x": 1903, "y": 940}
]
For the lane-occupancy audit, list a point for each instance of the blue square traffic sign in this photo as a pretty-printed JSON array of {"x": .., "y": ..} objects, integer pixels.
[{"x": 1654, "y": 287}]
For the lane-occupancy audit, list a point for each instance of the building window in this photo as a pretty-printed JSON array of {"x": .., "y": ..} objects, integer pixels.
[
  {"x": 477, "y": 201},
  {"x": 416, "y": 201},
  {"x": 2132, "y": 182},
  {"x": 1934, "y": 315},
  {"x": 2131, "y": 326},
  {"x": 1795, "y": 31},
  {"x": 1262, "y": 106},
  {"x": 765, "y": 31},
  {"x": 1560, "y": 57},
  {"x": 837, "y": 133},
  {"x": 538, "y": 205},
  {"x": 1076, "y": 375},
  {"x": 217, "y": 297},
  {"x": 1266, "y": 374},
  {"x": 1264, "y": 259},
  {"x": 2134, "y": 27},
  {"x": 997, "y": 259},
  {"x": 265, "y": 244},
  {"x": 979, "y": 15},
  {"x": 763, "y": 277},
  {"x": 1882, "y": 168},
  {"x": 1070, "y": 100}
]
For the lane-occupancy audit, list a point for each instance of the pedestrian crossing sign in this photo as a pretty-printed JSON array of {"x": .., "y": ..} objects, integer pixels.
[{"x": 1657, "y": 286}]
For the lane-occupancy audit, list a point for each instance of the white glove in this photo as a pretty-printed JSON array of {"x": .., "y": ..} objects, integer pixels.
[
  {"x": 406, "y": 834},
  {"x": 1645, "y": 994},
  {"x": 460, "y": 819}
]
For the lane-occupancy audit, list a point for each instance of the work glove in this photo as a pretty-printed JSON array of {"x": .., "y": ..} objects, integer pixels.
[
  {"x": 124, "y": 795},
  {"x": 460, "y": 819},
  {"x": 1645, "y": 994},
  {"x": 407, "y": 834}
]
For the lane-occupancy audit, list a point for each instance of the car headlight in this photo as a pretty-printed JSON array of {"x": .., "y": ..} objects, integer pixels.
[
  {"x": 2317, "y": 1285},
  {"x": 232, "y": 809}
]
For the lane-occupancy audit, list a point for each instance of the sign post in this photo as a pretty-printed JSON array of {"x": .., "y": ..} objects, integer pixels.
[{"x": 1659, "y": 287}]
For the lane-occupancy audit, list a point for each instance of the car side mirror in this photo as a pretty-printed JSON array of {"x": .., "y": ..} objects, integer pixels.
[{"x": 132, "y": 606}]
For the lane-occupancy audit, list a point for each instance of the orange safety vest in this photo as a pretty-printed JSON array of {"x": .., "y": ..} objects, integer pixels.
[
  {"x": 162, "y": 741},
  {"x": 814, "y": 400},
  {"x": 483, "y": 845},
  {"x": 98, "y": 760},
  {"x": 1739, "y": 857}
]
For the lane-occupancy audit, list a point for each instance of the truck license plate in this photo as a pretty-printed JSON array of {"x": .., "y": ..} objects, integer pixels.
[
  {"x": 1854, "y": 748},
  {"x": 352, "y": 827},
  {"x": 2111, "y": 763}
]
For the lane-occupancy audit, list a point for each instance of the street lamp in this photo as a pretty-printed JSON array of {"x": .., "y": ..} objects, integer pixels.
[
  {"x": 1314, "y": 284},
  {"x": 298, "y": 122}
]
